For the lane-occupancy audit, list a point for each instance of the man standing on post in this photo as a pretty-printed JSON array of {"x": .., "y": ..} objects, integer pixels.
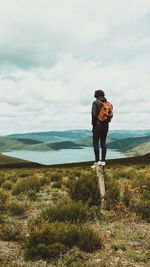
[{"x": 100, "y": 127}]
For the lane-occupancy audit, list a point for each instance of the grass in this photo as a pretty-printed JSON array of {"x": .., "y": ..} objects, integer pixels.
[
  {"x": 54, "y": 215},
  {"x": 10, "y": 160},
  {"x": 17, "y": 208},
  {"x": 10, "y": 232},
  {"x": 49, "y": 240},
  {"x": 73, "y": 212},
  {"x": 84, "y": 187}
]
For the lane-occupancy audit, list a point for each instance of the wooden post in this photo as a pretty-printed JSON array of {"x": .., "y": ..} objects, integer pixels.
[{"x": 101, "y": 180}]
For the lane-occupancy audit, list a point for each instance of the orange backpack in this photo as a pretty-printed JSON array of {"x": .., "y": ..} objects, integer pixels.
[{"x": 106, "y": 112}]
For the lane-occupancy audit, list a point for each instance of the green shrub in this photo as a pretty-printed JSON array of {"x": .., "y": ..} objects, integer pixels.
[
  {"x": 118, "y": 246},
  {"x": 71, "y": 212},
  {"x": 142, "y": 181},
  {"x": 127, "y": 194},
  {"x": 17, "y": 208},
  {"x": 2, "y": 179},
  {"x": 27, "y": 184},
  {"x": 49, "y": 240},
  {"x": 72, "y": 258},
  {"x": 56, "y": 184},
  {"x": 75, "y": 173},
  {"x": 84, "y": 188},
  {"x": 45, "y": 251},
  {"x": 125, "y": 173},
  {"x": 10, "y": 233},
  {"x": 7, "y": 185},
  {"x": 45, "y": 180},
  {"x": 139, "y": 256},
  {"x": 2, "y": 220},
  {"x": 89, "y": 241},
  {"x": 12, "y": 178},
  {"x": 32, "y": 195},
  {"x": 24, "y": 173},
  {"x": 112, "y": 193},
  {"x": 142, "y": 206},
  {"x": 3, "y": 199},
  {"x": 56, "y": 195},
  {"x": 55, "y": 177}
]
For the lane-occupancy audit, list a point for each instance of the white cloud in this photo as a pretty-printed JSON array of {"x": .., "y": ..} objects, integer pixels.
[{"x": 54, "y": 54}]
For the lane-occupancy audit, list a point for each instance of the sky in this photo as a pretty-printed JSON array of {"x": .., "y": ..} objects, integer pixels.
[{"x": 55, "y": 53}]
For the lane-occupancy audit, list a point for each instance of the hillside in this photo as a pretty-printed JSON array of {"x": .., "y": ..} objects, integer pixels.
[
  {"x": 12, "y": 162},
  {"x": 127, "y": 144},
  {"x": 4, "y": 160},
  {"x": 65, "y": 145},
  {"x": 139, "y": 149},
  {"x": 53, "y": 136},
  {"x": 8, "y": 144},
  {"x": 123, "y": 134},
  {"x": 124, "y": 141}
]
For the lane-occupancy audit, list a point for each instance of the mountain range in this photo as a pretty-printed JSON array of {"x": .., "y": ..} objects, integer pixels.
[{"x": 135, "y": 142}]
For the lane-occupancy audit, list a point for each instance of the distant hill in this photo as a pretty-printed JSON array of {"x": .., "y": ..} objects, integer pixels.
[
  {"x": 28, "y": 141},
  {"x": 65, "y": 145},
  {"x": 78, "y": 135},
  {"x": 123, "y": 140},
  {"x": 6, "y": 160},
  {"x": 54, "y": 136},
  {"x": 127, "y": 145},
  {"x": 123, "y": 134},
  {"x": 8, "y": 144},
  {"x": 139, "y": 149}
]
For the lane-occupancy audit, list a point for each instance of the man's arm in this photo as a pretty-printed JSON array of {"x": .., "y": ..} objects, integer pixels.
[
  {"x": 95, "y": 110},
  {"x": 94, "y": 114}
]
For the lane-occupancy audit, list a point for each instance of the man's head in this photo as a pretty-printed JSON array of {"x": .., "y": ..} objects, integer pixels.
[{"x": 99, "y": 93}]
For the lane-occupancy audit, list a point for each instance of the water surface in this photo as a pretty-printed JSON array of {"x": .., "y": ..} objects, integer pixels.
[{"x": 62, "y": 155}]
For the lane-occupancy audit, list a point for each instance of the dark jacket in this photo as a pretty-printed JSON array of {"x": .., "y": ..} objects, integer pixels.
[{"x": 97, "y": 104}]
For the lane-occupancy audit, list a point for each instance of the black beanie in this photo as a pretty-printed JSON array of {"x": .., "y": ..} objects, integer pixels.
[{"x": 99, "y": 93}]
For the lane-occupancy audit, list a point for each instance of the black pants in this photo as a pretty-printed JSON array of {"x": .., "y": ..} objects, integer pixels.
[{"x": 99, "y": 134}]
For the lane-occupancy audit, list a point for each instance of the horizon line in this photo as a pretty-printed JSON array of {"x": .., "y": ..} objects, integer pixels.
[{"x": 46, "y": 131}]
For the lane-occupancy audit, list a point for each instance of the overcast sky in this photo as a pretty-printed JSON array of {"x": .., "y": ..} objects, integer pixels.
[{"x": 55, "y": 53}]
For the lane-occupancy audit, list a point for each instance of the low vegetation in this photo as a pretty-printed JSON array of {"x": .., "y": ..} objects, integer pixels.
[
  {"x": 73, "y": 212},
  {"x": 48, "y": 240},
  {"x": 55, "y": 215}
]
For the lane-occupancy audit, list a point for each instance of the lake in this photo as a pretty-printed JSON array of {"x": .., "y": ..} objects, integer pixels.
[{"x": 62, "y": 155}]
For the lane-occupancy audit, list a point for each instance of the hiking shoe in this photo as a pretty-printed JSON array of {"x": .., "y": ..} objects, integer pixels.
[
  {"x": 101, "y": 163},
  {"x": 94, "y": 165}
]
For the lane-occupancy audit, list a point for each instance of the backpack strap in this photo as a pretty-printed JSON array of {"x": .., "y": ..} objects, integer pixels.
[{"x": 100, "y": 101}]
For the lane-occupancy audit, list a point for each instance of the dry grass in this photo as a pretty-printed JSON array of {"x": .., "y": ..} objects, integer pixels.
[{"x": 123, "y": 224}]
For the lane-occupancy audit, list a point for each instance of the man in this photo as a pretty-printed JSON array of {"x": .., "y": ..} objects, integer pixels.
[{"x": 100, "y": 129}]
